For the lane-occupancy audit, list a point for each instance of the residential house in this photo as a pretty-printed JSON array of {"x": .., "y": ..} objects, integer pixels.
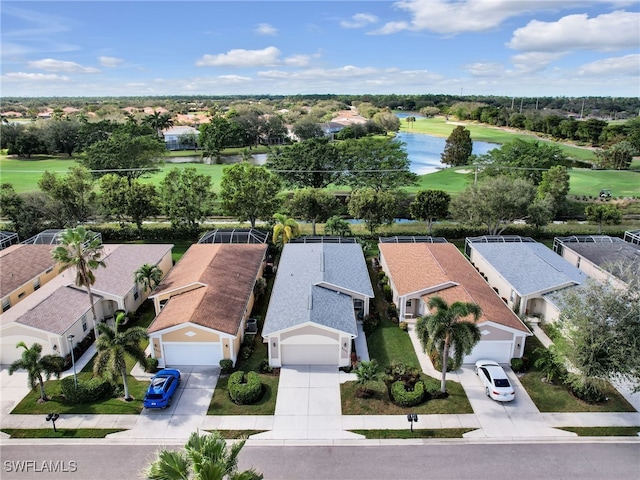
[
  {"x": 420, "y": 270},
  {"x": 203, "y": 305},
  {"x": 603, "y": 258},
  {"x": 59, "y": 309},
  {"x": 319, "y": 291},
  {"x": 523, "y": 272},
  {"x": 174, "y": 138},
  {"x": 23, "y": 270}
]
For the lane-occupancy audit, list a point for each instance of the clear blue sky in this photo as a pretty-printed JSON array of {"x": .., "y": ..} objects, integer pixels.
[{"x": 487, "y": 47}]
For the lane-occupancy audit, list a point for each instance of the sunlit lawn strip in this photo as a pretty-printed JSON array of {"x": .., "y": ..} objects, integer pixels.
[
  {"x": 417, "y": 433},
  {"x": 381, "y": 404},
  {"x": 61, "y": 433},
  {"x": 603, "y": 431},
  {"x": 221, "y": 403},
  {"x": 236, "y": 434},
  {"x": 557, "y": 398}
]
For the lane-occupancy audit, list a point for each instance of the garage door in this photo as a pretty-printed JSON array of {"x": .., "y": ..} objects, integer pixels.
[
  {"x": 497, "y": 351},
  {"x": 309, "y": 354},
  {"x": 192, "y": 354}
]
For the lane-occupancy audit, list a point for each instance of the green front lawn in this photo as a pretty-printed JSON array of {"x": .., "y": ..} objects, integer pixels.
[
  {"x": 380, "y": 403},
  {"x": 61, "y": 433},
  {"x": 236, "y": 434},
  {"x": 417, "y": 433},
  {"x": 388, "y": 344},
  {"x": 221, "y": 403}
]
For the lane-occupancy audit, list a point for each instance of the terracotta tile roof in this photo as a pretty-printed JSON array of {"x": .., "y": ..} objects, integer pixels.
[
  {"x": 227, "y": 273},
  {"x": 21, "y": 263},
  {"x": 444, "y": 260}
]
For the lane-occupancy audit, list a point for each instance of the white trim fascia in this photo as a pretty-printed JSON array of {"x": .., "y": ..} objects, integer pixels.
[
  {"x": 173, "y": 328},
  {"x": 506, "y": 328},
  {"x": 338, "y": 288},
  {"x": 311, "y": 324},
  {"x": 164, "y": 292}
]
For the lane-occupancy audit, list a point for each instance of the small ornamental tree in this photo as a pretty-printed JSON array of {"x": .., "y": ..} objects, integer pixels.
[
  {"x": 430, "y": 205},
  {"x": 458, "y": 148}
]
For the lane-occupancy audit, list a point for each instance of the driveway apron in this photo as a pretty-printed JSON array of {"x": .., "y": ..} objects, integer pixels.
[
  {"x": 308, "y": 405},
  {"x": 188, "y": 409}
]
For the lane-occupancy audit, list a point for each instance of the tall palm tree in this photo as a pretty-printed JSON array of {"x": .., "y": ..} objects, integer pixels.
[
  {"x": 149, "y": 276},
  {"x": 37, "y": 366},
  {"x": 82, "y": 249},
  {"x": 205, "y": 457},
  {"x": 158, "y": 121},
  {"x": 285, "y": 229},
  {"x": 445, "y": 329},
  {"x": 113, "y": 346}
]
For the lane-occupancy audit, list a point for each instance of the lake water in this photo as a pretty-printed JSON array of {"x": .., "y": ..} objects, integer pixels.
[{"x": 424, "y": 151}]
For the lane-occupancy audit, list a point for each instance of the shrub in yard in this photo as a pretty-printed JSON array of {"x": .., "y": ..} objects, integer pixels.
[
  {"x": 406, "y": 396},
  {"x": 436, "y": 360},
  {"x": 88, "y": 390},
  {"x": 265, "y": 367},
  {"x": 586, "y": 391},
  {"x": 226, "y": 366},
  {"x": 152, "y": 365},
  {"x": 388, "y": 294},
  {"x": 399, "y": 372},
  {"x": 370, "y": 323},
  {"x": 404, "y": 326},
  {"x": 517, "y": 364},
  {"x": 245, "y": 388},
  {"x": 432, "y": 388},
  {"x": 392, "y": 311}
]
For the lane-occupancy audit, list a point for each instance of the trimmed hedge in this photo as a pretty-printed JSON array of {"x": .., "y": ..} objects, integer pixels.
[
  {"x": 88, "y": 391},
  {"x": 226, "y": 366},
  {"x": 406, "y": 398},
  {"x": 245, "y": 388}
]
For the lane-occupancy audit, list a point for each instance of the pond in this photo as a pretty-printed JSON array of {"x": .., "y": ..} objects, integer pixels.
[{"x": 424, "y": 151}]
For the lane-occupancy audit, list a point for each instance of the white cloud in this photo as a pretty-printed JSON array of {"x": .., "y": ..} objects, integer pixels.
[
  {"x": 52, "y": 65},
  {"x": 534, "y": 61},
  {"x": 110, "y": 62},
  {"x": 446, "y": 17},
  {"x": 297, "y": 60},
  {"x": 266, "y": 29},
  {"x": 488, "y": 69},
  {"x": 241, "y": 58},
  {"x": 234, "y": 78},
  {"x": 610, "y": 31},
  {"x": 22, "y": 76},
  {"x": 359, "y": 20},
  {"x": 613, "y": 66},
  {"x": 390, "y": 27}
]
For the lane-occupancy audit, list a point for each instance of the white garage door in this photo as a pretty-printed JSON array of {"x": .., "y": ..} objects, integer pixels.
[
  {"x": 192, "y": 354},
  {"x": 497, "y": 351},
  {"x": 309, "y": 354}
]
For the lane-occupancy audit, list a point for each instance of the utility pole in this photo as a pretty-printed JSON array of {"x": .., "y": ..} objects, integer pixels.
[{"x": 521, "y": 101}]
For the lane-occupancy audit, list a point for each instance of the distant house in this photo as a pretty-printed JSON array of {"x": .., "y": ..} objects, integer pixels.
[
  {"x": 59, "y": 309},
  {"x": 523, "y": 272},
  {"x": 202, "y": 306},
  {"x": 174, "y": 138},
  {"x": 603, "y": 258},
  {"x": 319, "y": 291},
  {"x": 331, "y": 128},
  {"x": 421, "y": 270}
]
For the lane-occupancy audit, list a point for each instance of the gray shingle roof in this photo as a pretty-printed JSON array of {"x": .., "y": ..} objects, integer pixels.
[
  {"x": 298, "y": 298},
  {"x": 530, "y": 267},
  {"x": 609, "y": 255},
  {"x": 58, "y": 312},
  {"x": 119, "y": 275}
]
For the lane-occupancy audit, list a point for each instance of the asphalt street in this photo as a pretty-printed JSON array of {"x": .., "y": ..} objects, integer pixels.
[{"x": 439, "y": 460}]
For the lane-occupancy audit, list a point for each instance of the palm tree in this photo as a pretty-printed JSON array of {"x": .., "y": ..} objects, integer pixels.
[
  {"x": 82, "y": 249},
  {"x": 367, "y": 372},
  {"x": 149, "y": 276},
  {"x": 444, "y": 329},
  {"x": 158, "y": 121},
  {"x": 205, "y": 457},
  {"x": 285, "y": 229},
  {"x": 113, "y": 347},
  {"x": 37, "y": 366}
]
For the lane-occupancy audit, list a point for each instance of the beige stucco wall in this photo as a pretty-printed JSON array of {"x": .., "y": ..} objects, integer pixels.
[
  {"x": 585, "y": 265},
  {"x": 309, "y": 330},
  {"x": 200, "y": 335},
  {"x": 157, "y": 351},
  {"x": 494, "y": 279}
]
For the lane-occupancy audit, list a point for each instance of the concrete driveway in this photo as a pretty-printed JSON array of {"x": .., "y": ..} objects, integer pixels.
[
  {"x": 188, "y": 409},
  {"x": 518, "y": 418},
  {"x": 308, "y": 405}
]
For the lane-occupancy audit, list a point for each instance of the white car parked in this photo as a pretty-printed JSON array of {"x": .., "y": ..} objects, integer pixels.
[{"x": 495, "y": 381}]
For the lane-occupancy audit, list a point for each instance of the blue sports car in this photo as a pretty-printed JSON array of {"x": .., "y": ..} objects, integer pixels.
[{"x": 163, "y": 386}]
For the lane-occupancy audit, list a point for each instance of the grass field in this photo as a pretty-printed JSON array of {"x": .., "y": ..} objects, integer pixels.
[{"x": 440, "y": 128}]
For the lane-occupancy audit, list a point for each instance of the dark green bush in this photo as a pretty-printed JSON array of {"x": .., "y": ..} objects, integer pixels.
[
  {"x": 517, "y": 364},
  {"x": 245, "y": 388},
  {"x": 585, "y": 391},
  {"x": 88, "y": 390},
  {"x": 152, "y": 365},
  {"x": 399, "y": 372},
  {"x": 265, "y": 367},
  {"x": 370, "y": 323},
  {"x": 226, "y": 366},
  {"x": 388, "y": 294},
  {"x": 436, "y": 360},
  {"x": 406, "y": 397},
  {"x": 392, "y": 312},
  {"x": 432, "y": 387}
]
